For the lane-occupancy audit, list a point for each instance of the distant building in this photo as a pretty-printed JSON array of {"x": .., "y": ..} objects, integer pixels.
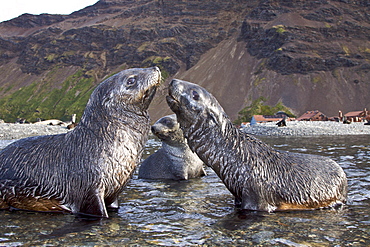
[
  {"x": 266, "y": 118},
  {"x": 357, "y": 116},
  {"x": 313, "y": 116}
]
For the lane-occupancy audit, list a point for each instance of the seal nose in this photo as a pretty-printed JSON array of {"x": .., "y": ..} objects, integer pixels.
[{"x": 175, "y": 87}]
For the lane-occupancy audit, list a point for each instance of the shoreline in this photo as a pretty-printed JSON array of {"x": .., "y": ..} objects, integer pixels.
[
  {"x": 304, "y": 128},
  {"x": 11, "y": 131}
]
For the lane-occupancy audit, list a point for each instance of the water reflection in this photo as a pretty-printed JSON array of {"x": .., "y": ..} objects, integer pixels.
[{"x": 201, "y": 211}]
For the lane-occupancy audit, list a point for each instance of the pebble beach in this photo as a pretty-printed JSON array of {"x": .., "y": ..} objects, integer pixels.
[
  {"x": 10, "y": 132},
  {"x": 305, "y": 128}
]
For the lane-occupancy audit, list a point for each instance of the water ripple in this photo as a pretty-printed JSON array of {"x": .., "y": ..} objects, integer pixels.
[{"x": 201, "y": 211}]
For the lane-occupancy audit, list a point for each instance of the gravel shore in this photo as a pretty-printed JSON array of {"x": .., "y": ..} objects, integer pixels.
[
  {"x": 12, "y": 132},
  {"x": 304, "y": 128}
]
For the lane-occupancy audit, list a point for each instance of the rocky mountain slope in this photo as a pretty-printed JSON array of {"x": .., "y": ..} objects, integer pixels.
[{"x": 307, "y": 54}]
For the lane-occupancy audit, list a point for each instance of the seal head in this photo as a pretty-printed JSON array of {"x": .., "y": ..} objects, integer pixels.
[
  {"x": 174, "y": 160},
  {"x": 167, "y": 129},
  {"x": 260, "y": 177},
  {"x": 83, "y": 171}
]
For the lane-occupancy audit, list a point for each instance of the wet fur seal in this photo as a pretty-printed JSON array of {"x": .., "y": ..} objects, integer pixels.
[
  {"x": 83, "y": 171},
  {"x": 260, "y": 177},
  {"x": 174, "y": 160}
]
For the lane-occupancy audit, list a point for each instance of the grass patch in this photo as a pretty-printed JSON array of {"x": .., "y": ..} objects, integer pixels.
[
  {"x": 279, "y": 28},
  {"x": 259, "y": 107},
  {"x": 346, "y": 50},
  {"x": 39, "y": 101},
  {"x": 316, "y": 79},
  {"x": 158, "y": 61}
]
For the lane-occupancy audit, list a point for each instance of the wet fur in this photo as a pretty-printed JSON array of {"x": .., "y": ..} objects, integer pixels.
[
  {"x": 84, "y": 170},
  {"x": 260, "y": 177},
  {"x": 174, "y": 160}
]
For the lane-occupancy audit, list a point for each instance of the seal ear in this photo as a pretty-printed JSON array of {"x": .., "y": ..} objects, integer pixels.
[
  {"x": 212, "y": 117},
  {"x": 217, "y": 118},
  {"x": 107, "y": 100}
]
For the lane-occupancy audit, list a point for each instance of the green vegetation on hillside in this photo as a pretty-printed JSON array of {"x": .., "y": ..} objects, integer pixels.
[
  {"x": 258, "y": 107},
  {"x": 43, "y": 99},
  {"x": 40, "y": 100}
]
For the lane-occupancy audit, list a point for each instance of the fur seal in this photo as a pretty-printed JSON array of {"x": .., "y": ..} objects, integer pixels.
[
  {"x": 174, "y": 160},
  {"x": 260, "y": 177},
  {"x": 83, "y": 171}
]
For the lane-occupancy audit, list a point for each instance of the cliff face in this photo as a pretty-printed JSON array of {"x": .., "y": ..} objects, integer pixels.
[
  {"x": 302, "y": 38},
  {"x": 308, "y": 54}
]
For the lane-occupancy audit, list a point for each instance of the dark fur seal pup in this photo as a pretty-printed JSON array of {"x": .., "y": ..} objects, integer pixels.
[
  {"x": 84, "y": 170},
  {"x": 260, "y": 177},
  {"x": 174, "y": 160}
]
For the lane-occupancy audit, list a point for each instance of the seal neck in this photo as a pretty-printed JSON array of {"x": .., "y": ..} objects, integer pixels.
[
  {"x": 179, "y": 150},
  {"x": 225, "y": 149},
  {"x": 112, "y": 125}
]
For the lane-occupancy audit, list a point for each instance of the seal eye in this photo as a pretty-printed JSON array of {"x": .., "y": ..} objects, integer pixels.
[
  {"x": 195, "y": 95},
  {"x": 131, "y": 81}
]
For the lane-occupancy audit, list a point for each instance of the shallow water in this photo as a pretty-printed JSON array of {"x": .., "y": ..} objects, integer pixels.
[{"x": 201, "y": 211}]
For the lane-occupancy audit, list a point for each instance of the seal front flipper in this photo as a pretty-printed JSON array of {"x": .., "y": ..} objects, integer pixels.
[
  {"x": 113, "y": 206},
  {"x": 93, "y": 206}
]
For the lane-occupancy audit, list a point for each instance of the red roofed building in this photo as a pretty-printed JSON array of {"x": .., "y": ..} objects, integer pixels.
[
  {"x": 265, "y": 119},
  {"x": 357, "y": 116},
  {"x": 273, "y": 118},
  {"x": 313, "y": 116}
]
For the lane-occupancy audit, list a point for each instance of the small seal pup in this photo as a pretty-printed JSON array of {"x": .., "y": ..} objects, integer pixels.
[
  {"x": 174, "y": 160},
  {"x": 83, "y": 171},
  {"x": 260, "y": 177}
]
